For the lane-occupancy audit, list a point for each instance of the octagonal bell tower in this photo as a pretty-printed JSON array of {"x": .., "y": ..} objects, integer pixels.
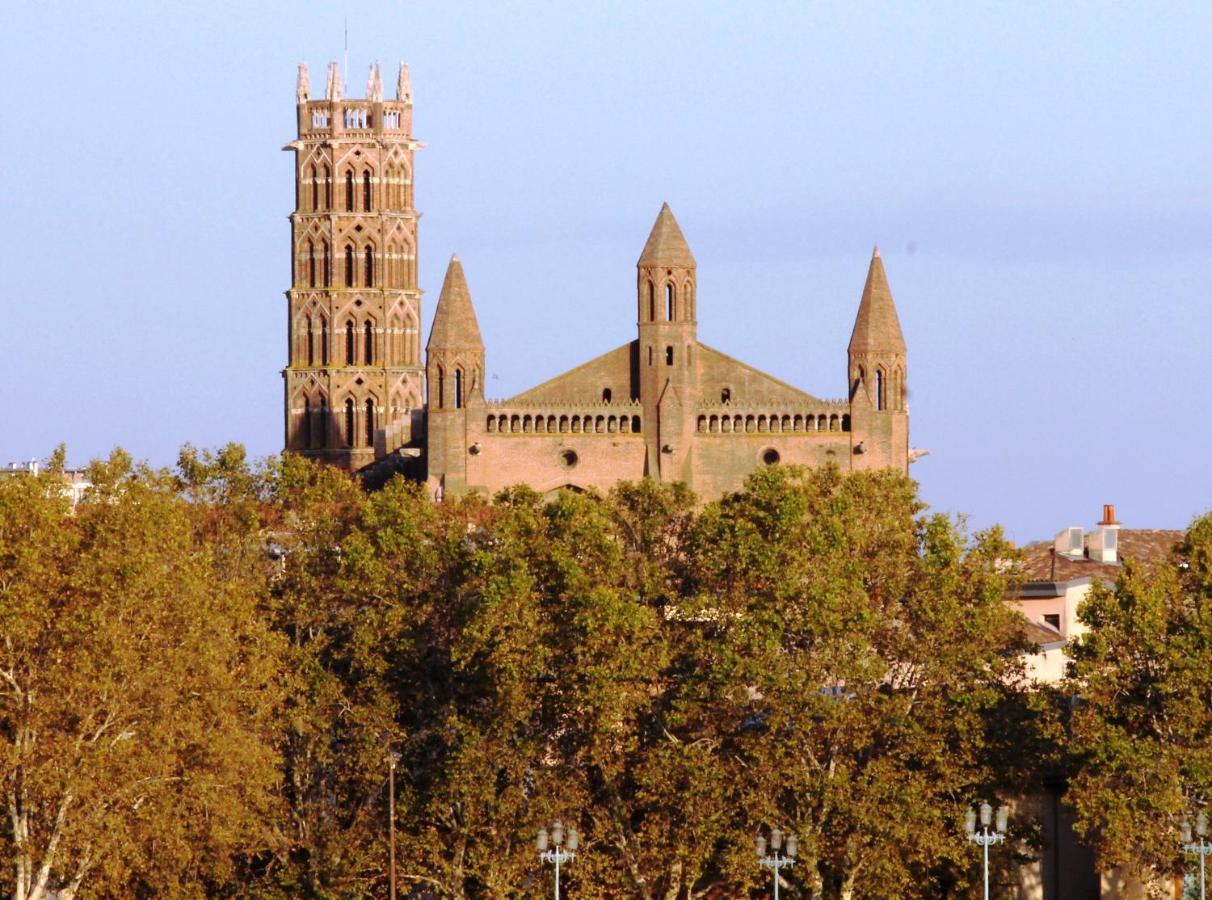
[{"x": 354, "y": 379}]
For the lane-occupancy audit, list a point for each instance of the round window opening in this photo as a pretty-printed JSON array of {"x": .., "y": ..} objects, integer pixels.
[
  {"x": 770, "y": 457},
  {"x": 569, "y": 458}
]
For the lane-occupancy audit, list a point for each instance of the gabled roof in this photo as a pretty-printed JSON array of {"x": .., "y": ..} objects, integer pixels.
[
  {"x": 666, "y": 244},
  {"x": 454, "y": 320},
  {"x": 877, "y": 328}
]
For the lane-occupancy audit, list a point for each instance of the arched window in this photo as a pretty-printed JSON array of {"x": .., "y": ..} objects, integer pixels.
[
  {"x": 606, "y": 395},
  {"x": 321, "y": 431},
  {"x": 311, "y": 263},
  {"x": 323, "y": 341},
  {"x": 726, "y": 395},
  {"x": 327, "y": 264},
  {"x": 370, "y": 266},
  {"x": 649, "y": 356},
  {"x": 669, "y": 307},
  {"x": 879, "y": 388},
  {"x": 458, "y": 389},
  {"x": 669, "y": 356},
  {"x": 315, "y": 190},
  {"x": 366, "y": 190},
  {"x": 350, "y": 332},
  {"x": 306, "y": 423},
  {"x": 368, "y": 344},
  {"x": 651, "y": 302},
  {"x": 311, "y": 344},
  {"x": 349, "y": 191},
  {"x": 441, "y": 388},
  {"x": 350, "y": 431},
  {"x": 349, "y": 265},
  {"x": 370, "y": 422},
  {"x": 327, "y": 188}
]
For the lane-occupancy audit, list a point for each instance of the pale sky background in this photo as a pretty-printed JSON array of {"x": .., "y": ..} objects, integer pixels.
[{"x": 1036, "y": 175}]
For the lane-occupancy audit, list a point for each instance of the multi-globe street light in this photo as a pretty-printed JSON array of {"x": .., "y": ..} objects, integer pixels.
[
  {"x": 563, "y": 848},
  {"x": 987, "y": 836},
  {"x": 1200, "y": 849},
  {"x": 778, "y": 858}
]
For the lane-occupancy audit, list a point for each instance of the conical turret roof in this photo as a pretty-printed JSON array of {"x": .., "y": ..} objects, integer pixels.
[
  {"x": 877, "y": 327},
  {"x": 454, "y": 321},
  {"x": 666, "y": 244}
]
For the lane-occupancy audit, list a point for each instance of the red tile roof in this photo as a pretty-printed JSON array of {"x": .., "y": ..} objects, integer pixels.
[{"x": 1147, "y": 546}]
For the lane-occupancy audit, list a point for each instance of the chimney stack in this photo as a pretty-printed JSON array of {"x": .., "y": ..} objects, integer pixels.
[{"x": 1109, "y": 515}]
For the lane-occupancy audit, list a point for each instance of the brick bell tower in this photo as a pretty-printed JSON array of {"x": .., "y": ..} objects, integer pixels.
[{"x": 354, "y": 379}]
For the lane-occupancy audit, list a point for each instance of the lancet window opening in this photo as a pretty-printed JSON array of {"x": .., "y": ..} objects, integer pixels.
[
  {"x": 366, "y": 204},
  {"x": 327, "y": 263},
  {"x": 368, "y": 343},
  {"x": 670, "y": 304},
  {"x": 315, "y": 190},
  {"x": 350, "y": 343},
  {"x": 370, "y": 422},
  {"x": 369, "y": 266},
  {"x": 306, "y": 424},
  {"x": 651, "y": 303},
  {"x": 311, "y": 263},
  {"x": 311, "y": 344},
  {"x": 458, "y": 388},
  {"x": 349, "y": 190},
  {"x": 323, "y": 340},
  {"x": 327, "y": 188},
  {"x": 350, "y": 266}
]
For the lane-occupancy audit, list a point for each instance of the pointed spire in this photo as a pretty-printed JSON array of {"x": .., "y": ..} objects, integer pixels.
[
  {"x": 877, "y": 327},
  {"x": 666, "y": 244},
  {"x": 374, "y": 85},
  {"x": 404, "y": 84},
  {"x": 454, "y": 321},
  {"x": 332, "y": 90},
  {"x": 303, "y": 85}
]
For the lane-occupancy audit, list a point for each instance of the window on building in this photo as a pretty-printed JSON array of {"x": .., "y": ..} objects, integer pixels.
[
  {"x": 350, "y": 431},
  {"x": 458, "y": 389},
  {"x": 366, "y": 191},
  {"x": 327, "y": 188},
  {"x": 350, "y": 347},
  {"x": 369, "y": 266},
  {"x": 370, "y": 422},
  {"x": 726, "y": 395},
  {"x": 649, "y": 356},
  {"x": 669, "y": 307},
  {"x": 311, "y": 344},
  {"x": 350, "y": 266},
  {"x": 321, "y": 431},
  {"x": 315, "y": 190},
  {"x": 441, "y": 388},
  {"x": 323, "y": 341},
  {"x": 879, "y": 388},
  {"x": 368, "y": 344},
  {"x": 1052, "y": 619},
  {"x": 606, "y": 395},
  {"x": 669, "y": 356},
  {"x": 349, "y": 191},
  {"x": 306, "y": 423},
  {"x": 311, "y": 264},
  {"x": 327, "y": 264},
  {"x": 651, "y": 302}
]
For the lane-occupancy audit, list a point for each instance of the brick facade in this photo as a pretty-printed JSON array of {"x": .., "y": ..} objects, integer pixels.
[{"x": 663, "y": 405}]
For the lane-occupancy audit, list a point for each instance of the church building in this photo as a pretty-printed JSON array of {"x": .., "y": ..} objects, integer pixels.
[{"x": 663, "y": 405}]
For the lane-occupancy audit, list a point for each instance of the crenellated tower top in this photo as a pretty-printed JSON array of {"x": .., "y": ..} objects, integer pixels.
[{"x": 334, "y": 115}]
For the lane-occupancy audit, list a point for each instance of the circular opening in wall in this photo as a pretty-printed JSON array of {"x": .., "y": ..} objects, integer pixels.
[
  {"x": 569, "y": 458},
  {"x": 770, "y": 457}
]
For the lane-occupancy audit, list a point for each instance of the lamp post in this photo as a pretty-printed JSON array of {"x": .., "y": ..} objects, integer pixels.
[
  {"x": 1201, "y": 849},
  {"x": 393, "y": 760},
  {"x": 778, "y": 858},
  {"x": 987, "y": 836},
  {"x": 563, "y": 848}
]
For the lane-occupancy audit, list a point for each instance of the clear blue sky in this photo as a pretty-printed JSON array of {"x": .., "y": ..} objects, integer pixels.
[{"x": 1037, "y": 177}]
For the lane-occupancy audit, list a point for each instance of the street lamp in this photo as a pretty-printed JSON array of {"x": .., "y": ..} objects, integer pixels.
[
  {"x": 393, "y": 760},
  {"x": 986, "y": 837},
  {"x": 778, "y": 858},
  {"x": 1202, "y": 849},
  {"x": 564, "y": 849}
]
